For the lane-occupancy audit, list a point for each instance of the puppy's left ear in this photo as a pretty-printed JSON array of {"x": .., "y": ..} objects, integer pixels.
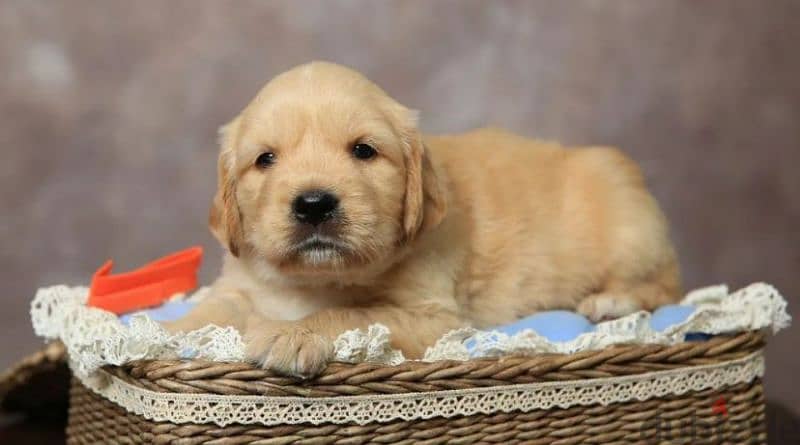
[
  {"x": 425, "y": 201},
  {"x": 224, "y": 218}
]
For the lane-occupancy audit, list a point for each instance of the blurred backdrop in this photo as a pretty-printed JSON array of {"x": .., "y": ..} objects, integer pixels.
[{"x": 109, "y": 112}]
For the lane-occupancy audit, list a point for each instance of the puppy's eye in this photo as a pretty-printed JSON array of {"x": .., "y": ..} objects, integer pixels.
[
  {"x": 364, "y": 151},
  {"x": 264, "y": 160}
]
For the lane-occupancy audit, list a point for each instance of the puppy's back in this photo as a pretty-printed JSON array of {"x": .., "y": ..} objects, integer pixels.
[{"x": 550, "y": 226}]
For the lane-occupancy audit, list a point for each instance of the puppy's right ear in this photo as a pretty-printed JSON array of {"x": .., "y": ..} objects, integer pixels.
[
  {"x": 425, "y": 201},
  {"x": 224, "y": 218}
]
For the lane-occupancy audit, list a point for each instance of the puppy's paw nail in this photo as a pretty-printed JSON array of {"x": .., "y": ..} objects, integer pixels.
[
  {"x": 296, "y": 352},
  {"x": 314, "y": 355}
]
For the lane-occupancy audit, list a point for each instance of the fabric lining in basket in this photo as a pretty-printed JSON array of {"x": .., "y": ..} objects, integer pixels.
[{"x": 95, "y": 338}]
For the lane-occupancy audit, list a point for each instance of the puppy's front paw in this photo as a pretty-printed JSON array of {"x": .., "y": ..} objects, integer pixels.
[
  {"x": 288, "y": 349},
  {"x": 602, "y": 307}
]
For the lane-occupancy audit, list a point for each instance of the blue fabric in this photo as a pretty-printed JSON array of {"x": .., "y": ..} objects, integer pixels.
[
  {"x": 558, "y": 326},
  {"x": 169, "y": 311},
  {"x": 670, "y": 315},
  {"x": 563, "y": 326}
]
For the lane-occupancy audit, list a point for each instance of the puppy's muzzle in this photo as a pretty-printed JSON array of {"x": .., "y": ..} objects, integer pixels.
[{"x": 314, "y": 207}]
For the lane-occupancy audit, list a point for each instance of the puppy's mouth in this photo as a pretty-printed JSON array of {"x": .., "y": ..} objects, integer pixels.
[
  {"x": 317, "y": 242},
  {"x": 318, "y": 249}
]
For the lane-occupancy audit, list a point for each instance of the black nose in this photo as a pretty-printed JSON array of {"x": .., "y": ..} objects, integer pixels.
[{"x": 314, "y": 206}]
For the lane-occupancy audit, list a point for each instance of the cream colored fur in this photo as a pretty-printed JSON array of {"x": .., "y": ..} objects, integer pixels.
[{"x": 438, "y": 232}]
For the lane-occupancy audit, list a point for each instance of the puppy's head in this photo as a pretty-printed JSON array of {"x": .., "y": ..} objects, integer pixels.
[{"x": 322, "y": 173}]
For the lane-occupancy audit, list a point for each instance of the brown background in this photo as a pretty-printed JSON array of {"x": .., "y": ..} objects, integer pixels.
[{"x": 108, "y": 114}]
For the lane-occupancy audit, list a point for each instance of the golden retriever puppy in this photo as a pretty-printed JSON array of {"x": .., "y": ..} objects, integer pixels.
[{"x": 337, "y": 213}]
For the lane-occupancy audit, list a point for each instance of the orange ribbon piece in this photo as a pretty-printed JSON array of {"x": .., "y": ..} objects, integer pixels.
[{"x": 148, "y": 286}]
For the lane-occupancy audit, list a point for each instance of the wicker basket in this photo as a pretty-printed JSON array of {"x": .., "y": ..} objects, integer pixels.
[
  {"x": 37, "y": 384},
  {"x": 706, "y": 392}
]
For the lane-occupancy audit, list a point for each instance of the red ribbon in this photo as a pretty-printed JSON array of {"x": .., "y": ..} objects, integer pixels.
[{"x": 150, "y": 285}]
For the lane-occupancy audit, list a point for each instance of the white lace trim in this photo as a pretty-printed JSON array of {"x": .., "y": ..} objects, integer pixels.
[
  {"x": 754, "y": 307},
  {"x": 264, "y": 410},
  {"x": 95, "y": 338}
]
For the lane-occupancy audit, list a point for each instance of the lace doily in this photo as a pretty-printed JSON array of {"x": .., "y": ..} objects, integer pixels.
[
  {"x": 754, "y": 307},
  {"x": 95, "y": 338},
  {"x": 263, "y": 410}
]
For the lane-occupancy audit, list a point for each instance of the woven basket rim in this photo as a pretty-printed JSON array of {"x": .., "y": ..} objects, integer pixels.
[{"x": 346, "y": 379}]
